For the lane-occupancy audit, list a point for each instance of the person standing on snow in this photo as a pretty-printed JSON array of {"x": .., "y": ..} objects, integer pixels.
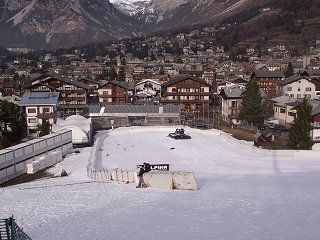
[{"x": 145, "y": 168}]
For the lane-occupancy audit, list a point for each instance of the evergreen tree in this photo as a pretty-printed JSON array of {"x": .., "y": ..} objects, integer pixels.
[
  {"x": 122, "y": 75},
  {"x": 113, "y": 74},
  {"x": 44, "y": 128},
  {"x": 300, "y": 130},
  {"x": 4, "y": 142},
  {"x": 289, "y": 71},
  {"x": 251, "y": 109}
]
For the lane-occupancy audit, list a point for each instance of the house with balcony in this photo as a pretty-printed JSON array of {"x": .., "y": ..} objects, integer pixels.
[
  {"x": 209, "y": 75},
  {"x": 148, "y": 87},
  {"x": 94, "y": 86},
  {"x": 113, "y": 93},
  {"x": 38, "y": 107},
  {"x": 268, "y": 80},
  {"x": 74, "y": 95},
  {"x": 191, "y": 93},
  {"x": 230, "y": 103}
]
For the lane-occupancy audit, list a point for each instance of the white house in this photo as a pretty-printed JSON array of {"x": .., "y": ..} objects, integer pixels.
[
  {"x": 39, "y": 106},
  {"x": 284, "y": 109},
  {"x": 150, "y": 87},
  {"x": 298, "y": 87}
]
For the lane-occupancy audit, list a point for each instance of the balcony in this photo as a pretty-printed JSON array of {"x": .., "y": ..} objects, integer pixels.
[
  {"x": 70, "y": 99},
  {"x": 315, "y": 124},
  {"x": 188, "y": 94},
  {"x": 46, "y": 115},
  {"x": 71, "y": 91},
  {"x": 178, "y": 101}
]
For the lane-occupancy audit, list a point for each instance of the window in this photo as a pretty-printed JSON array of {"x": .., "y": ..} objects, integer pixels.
[
  {"x": 32, "y": 120},
  {"x": 174, "y": 89},
  {"x": 308, "y": 89},
  {"x": 46, "y": 110},
  {"x": 292, "y": 114},
  {"x": 282, "y": 110},
  {"x": 298, "y": 95},
  {"x": 32, "y": 110},
  {"x": 307, "y": 95},
  {"x": 299, "y": 89},
  {"x": 289, "y": 89},
  {"x": 234, "y": 104},
  {"x": 292, "y": 95}
]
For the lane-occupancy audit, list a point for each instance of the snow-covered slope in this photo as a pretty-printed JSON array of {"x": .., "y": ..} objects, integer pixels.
[
  {"x": 161, "y": 14},
  {"x": 242, "y": 194},
  {"x": 130, "y": 7}
]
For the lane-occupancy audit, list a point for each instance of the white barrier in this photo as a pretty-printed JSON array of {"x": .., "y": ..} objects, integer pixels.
[
  {"x": 170, "y": 180},
  {"x": 44, "y": 161},
  {"x": 14, "y": 160}
]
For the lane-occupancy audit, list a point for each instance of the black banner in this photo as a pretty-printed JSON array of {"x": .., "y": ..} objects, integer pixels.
[{"x": 159, "y": 167}]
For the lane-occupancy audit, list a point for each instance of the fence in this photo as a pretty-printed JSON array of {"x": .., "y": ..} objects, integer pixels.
[{"x": 9, "y": 230}]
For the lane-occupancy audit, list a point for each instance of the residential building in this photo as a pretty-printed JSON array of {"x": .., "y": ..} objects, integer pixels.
[
  {"x": 208, "y": 75},
  {"x": 113, "y": 93},
  {"x": 284, "y": 109},
  {"x": 151, "y": 87},
  {"x": 315, "y": 119},
  {"x": 73, "y": 94},
  {"x": 192, "y": 93},
  {"x": 230, "y": 103},
  {"x": 268, "y": 80},
  {"x": 38, "y": 107},
  {"x": 298, "y": 87}
]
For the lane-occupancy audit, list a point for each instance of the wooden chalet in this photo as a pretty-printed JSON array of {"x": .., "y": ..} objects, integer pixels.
[
  {"x": 73, "y": 94},
  {"x": 191, "y": 93}
]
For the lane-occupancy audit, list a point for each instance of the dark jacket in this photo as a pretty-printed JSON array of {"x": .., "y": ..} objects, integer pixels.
[{"x": 146, "y": 168}]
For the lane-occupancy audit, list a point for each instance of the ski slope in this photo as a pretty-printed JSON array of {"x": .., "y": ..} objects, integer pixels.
[{"x": 242, "y": 194}]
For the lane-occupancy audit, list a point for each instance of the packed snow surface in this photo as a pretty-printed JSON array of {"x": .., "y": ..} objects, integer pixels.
[{"x": 242, "y": 195}]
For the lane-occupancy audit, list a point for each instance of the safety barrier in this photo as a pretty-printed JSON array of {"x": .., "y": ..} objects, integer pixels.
[{"x": 14, "y": 160}]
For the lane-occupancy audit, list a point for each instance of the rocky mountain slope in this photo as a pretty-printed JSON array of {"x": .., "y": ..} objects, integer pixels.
[
  {"x": 63, "y": 23},
  {"x": 168, "y": 14}
]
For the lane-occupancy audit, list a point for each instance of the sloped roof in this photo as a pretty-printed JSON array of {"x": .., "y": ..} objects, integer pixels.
[
  {"x": 169, "y": 108},
  {"x": 179, "y": 78},
  {"x": 60, "y": 78},
  {"x": 120, "y": 84},
  {"x": 232, "y": 92},
  {"x": 311, "y": 72},
  {"x": 283, "y": 99},
  {"x": 291, "y": 79},
  {"x": 39, "y": 98},
  {"x": 316, "y": 111},
  {"x": 269, "y": 74}
]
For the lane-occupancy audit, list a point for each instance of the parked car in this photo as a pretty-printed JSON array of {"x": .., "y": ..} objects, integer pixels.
[
  {"x": 261, "y": 127},
  {"x": 280, "y": 128},
  {"x": 271, "y": 125}
]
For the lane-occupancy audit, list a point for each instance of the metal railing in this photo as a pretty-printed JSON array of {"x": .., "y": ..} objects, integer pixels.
[{"x": 9, "y": 230}]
